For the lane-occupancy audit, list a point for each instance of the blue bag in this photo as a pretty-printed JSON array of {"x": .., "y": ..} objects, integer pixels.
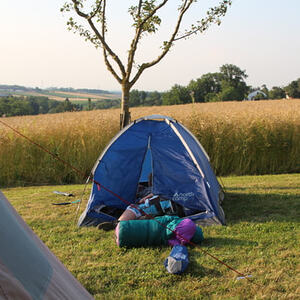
[{"x": 178, "y": 260}]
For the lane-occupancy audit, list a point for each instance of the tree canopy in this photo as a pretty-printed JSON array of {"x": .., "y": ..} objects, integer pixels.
[
  {"x": 226, "y": 85},
  {"x": 293, "y": 89}
]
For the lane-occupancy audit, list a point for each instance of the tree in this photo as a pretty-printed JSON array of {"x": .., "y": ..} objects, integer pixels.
[
  {"x": 153, "y": 98},
  {"x": 276, "y": 93},
  {"x": 227, "y": 93},
  {"x": 233, "y": 83},
  {"x": 232, "y": 74},
  {"x": 265, "y": 89},
  {"x": 205, "y": 87},
  {"x": 228, "y": 84},
  {"x": 146, "y": 20},
  {"x": 68, "y": 106},
  {"x": 135, "y": 99},
  {"x": 177, "y": 95},
  {"x": 90, "y": 105},
  {"x": 293, "y": 89}
]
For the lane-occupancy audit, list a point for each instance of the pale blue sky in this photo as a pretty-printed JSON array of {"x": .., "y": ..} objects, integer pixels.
[{"x": 259, "y": 36}]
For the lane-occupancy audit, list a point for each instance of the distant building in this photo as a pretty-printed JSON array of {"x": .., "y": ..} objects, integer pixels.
[{"x": 252, "y": 95}]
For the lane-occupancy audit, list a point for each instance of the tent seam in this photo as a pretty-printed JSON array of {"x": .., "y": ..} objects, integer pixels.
[{"x": 188, "y": 149}]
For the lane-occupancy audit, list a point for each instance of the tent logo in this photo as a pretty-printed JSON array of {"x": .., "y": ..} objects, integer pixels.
[{"x": 182, "y": 196}]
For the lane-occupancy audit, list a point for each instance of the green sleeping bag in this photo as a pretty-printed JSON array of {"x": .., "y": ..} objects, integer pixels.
[{"x": 153, "y": 232}]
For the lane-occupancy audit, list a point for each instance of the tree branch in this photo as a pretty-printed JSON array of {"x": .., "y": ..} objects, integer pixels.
[
  {"x": 139, "y": 8},
  {"x": 138, "y": 33},
  {"x": 167, "y": 45},
  {"x": 102, "y": 40},
  {"x": 213, "y": 17},
  {"x": 97, "y": 9},
  {"x": 107, "y": 48},
  {"x": 78, "y": 11},
  {"x": 107, "y": 62}
]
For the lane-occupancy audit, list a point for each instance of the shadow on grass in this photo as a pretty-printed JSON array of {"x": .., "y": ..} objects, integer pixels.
[
  {"x": 195, "y": 270},
  {"x": 261, "y": 207},
  {"x": 220, "y": 242},
  {"x": 268, "y": 188}
]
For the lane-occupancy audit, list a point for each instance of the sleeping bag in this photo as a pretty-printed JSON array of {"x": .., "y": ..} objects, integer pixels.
[{"x": 159, "y": 231}]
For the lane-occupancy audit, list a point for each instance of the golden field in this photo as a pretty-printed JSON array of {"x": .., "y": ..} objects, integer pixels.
[{"x": 257, "y": 137}]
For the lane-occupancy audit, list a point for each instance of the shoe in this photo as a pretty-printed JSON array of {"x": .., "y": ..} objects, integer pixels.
[{"x": 106, "y": 226}]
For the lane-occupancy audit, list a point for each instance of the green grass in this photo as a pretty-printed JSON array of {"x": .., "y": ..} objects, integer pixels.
[{"x": 261, "y": 238}]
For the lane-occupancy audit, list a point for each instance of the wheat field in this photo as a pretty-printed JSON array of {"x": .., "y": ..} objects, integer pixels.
[{"x": 257, "y": 137}]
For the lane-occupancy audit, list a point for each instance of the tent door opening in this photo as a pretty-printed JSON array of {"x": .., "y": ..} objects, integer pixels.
[{"x": 147, "y": 168}]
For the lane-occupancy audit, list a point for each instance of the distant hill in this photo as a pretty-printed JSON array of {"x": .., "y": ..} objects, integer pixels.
[
  {"x": 59, "y": 94},
  {"x": 88, "y": 91},
  {"x": 13, "y": 87}
]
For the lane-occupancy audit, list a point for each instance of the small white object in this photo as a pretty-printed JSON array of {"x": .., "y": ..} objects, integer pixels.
[{"x": 243, "y": 277}]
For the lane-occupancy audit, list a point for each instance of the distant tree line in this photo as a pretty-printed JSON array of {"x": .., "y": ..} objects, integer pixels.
[
  {"x": 32, "y": 105},
  {"x": 226, "y": 85},
  {"x": 293, "y": 89},
  {"x": 20, "y": 106},
  {"x": 35, "y": 105}
]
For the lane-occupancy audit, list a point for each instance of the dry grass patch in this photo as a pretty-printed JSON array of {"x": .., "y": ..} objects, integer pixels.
[{"x": 260, "y": 137}]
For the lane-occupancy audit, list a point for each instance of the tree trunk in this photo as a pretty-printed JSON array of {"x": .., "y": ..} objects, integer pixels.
[{"x": 125, "y": 114}]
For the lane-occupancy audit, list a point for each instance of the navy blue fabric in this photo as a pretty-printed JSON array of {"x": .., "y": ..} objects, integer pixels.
[{"x": 153, "y": 146}]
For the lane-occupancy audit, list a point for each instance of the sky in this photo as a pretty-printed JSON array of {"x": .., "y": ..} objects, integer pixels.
[{"x": 259, "y": 36}]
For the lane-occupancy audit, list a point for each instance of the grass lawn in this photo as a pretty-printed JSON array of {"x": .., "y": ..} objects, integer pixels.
[{"x": 261, "y": 238}]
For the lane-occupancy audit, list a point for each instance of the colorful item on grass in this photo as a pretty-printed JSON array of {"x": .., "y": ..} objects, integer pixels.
[
  {"x": 164, "y": 230},
  {"x": 178, "y": 260},
  {"x": 184, "y": 232}
]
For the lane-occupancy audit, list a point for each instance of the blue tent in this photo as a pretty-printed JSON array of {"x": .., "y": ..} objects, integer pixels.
[{"x": 179, "y": 165}]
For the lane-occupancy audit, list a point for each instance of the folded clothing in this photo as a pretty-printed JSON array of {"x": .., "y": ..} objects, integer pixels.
[{"x": 155, "y": 206}]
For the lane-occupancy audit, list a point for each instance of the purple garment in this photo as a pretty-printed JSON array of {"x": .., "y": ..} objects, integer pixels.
[{"x": 185, "y": 230}]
